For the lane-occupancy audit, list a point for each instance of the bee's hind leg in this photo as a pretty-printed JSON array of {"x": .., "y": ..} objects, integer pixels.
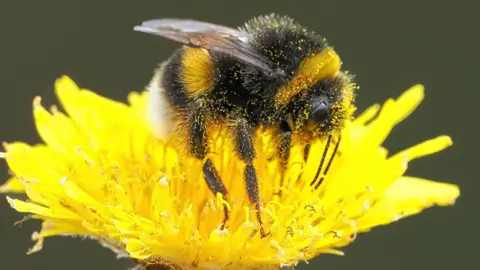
[
  {"x": 246, "y": 152},
  {"x": 216, "y": 185},
  {"x": 198, "y": 147}
]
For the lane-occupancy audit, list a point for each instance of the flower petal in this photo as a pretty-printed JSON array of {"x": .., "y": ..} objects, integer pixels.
[
  {"x": 427, "y": 147},
  {"x": 408, "y": 196},
  {"x": 13, "y": 185},
  {"x": 409, "y": 101}
]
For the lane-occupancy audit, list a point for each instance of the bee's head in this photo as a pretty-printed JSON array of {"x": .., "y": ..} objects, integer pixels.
[{"x": 323, "y": 108}]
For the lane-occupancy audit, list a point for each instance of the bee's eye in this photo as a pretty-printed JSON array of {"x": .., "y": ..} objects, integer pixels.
[{"x": 319, "y": 112}]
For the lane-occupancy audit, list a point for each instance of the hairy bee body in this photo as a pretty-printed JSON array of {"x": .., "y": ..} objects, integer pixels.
[{"x": 270, "y": 73}]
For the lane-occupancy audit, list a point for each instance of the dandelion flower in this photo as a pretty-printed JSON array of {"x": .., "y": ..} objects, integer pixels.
[{"x": 101, "y": 173}]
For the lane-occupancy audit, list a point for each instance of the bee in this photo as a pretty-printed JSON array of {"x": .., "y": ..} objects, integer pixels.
[{"x": 272, "y": 72}]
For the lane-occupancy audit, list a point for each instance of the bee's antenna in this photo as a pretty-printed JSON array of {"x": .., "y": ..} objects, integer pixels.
[
  {"x": 329, "y": 162},
  {"x": 324, "y": 155}
]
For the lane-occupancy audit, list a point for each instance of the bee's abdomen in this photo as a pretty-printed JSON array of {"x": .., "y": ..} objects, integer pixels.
[
  {"x": 175, "y": 91},
  {"x": 188, "y": 75},
  {"x": 196, "y": 74}
]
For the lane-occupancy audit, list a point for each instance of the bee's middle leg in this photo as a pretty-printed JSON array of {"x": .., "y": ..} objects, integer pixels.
[
  {"x": 246, "y": 152},
  {"x": 198, "y": 147}
]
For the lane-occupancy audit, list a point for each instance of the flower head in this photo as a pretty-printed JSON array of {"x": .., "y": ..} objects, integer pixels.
[{"x": 101, "y": 173}]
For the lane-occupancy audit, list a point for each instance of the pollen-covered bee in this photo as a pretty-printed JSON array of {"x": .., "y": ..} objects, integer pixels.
[{"x": 272, "y": 72}]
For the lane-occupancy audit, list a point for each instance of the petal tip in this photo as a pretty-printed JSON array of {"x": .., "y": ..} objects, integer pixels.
[
  {"x": 65, "y": 83},
  {"x": 37, "y": 101},
  {"x": 38, "y": 238},
  {"x": 13, "y": 185},
  {"x": 54, "y": 109},
  {"x": 418, "y": 90},
  {"x": 5, "y": 146},
  {"x": 446, "y": 140},
  {"x": 414, "y": 94},
  {"x": 455, "y": 193},
  {"x": 11, "y": 202},
  {"x": 63, "y": 80}
]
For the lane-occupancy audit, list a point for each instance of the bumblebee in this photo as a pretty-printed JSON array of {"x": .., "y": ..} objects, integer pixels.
[{"x": 272, "y": 72}]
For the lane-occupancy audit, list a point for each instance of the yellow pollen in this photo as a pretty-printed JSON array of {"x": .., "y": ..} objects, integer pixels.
[{"x": 322, "y": 65}]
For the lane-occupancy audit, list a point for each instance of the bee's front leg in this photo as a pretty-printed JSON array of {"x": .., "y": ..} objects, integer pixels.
[
  {"x": 306, "y": 152},
  {"x": 199, "y": 147},
  {"x": 246, "y": 152},
  {"x": 284, "y": 145}
]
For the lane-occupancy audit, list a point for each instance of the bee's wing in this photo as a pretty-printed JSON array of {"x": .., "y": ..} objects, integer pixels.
[{"x": 211, "y": 37}]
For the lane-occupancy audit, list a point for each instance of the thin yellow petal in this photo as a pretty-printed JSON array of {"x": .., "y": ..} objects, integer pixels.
[
  {"x": 56, "y": 130},
  {"x": 38, "y": 244},
  {"x": 408, "y": 196},
  {"x": 45, "y": 212},
  {"x": 67, "y": 90},
  {"x": 368, "y": 114},
  {"x": 423, "y": 191},
  {"x": 13, "y": 185},
  {"x": 59, "y": 227},
  {"x": 24, "y": 207},
  {"x": 409, "y": 101},
  {"x": 137, "y": 249},
  {"x": 427, "y": 147},
  {"x": 33, "y": 162}
]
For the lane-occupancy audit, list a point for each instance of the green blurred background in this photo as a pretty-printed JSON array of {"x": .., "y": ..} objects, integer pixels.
[{"x": 389, "y": 46}]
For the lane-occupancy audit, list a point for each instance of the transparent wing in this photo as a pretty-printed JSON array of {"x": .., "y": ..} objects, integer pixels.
[{"x": 211, "y": 37}]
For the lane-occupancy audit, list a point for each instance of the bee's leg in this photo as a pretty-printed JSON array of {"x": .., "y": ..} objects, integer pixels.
[
  {"x": 306, "y": 152},
  {"x": 246, "y": 152},
  {"x": 198, "y": 147},
  {"x": 285, "y": 141},
  {"x": 216, "y": 185}
]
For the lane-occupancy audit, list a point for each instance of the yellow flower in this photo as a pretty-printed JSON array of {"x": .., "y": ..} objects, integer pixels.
[{"x": 102, "y": 174}]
